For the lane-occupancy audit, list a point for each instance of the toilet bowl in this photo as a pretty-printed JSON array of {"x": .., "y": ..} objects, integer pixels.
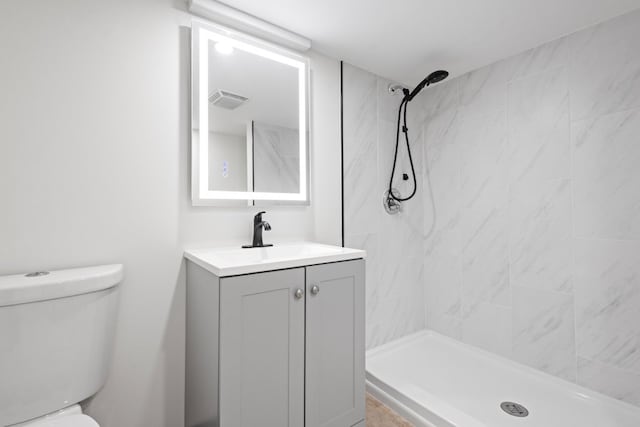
[
  {"x": 70, "y": 421},
  {"x": 68, "y": 417},
  {"x": 57, "y": 332}
]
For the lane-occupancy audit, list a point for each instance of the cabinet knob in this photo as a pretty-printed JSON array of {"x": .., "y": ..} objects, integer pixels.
[
  {"x": 315, "y": 290},
  {"x": 298, "y": 293}
]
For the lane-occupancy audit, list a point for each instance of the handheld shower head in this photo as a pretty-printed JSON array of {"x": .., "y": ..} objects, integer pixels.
[
  {"x": 390, "y": 198},
  {"x": 435, "y": 77}
]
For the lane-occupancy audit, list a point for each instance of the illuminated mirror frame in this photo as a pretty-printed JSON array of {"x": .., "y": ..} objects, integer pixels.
[{"x": 201, "y": 35}]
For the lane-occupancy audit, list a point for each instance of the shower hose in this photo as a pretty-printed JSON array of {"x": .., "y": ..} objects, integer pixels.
[{"x": 402, "y": 115}]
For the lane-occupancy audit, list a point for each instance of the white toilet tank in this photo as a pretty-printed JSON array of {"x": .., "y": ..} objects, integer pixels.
[{"x": 56, "y": 339}]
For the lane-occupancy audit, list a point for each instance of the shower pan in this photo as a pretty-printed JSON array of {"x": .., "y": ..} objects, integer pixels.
[{"x": 435, "y": 381}]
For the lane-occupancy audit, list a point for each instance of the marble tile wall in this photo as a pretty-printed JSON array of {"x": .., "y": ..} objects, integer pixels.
[
  {"x": 395, "y": 290},
  {"x": 276, "y": 158},
  {"x": 531, "y": 207}
]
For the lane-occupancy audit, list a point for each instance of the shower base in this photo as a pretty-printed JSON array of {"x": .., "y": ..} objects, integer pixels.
[{"x": 435, "y": 381}]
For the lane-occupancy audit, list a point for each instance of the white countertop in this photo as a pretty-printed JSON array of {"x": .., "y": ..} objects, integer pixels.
[{"x": 233, "y": 261}]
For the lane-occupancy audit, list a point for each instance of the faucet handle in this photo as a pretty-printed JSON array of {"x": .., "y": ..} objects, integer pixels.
[{"x": 266, "y": 225}]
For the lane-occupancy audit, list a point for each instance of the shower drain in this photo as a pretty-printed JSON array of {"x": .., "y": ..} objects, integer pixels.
[{"x": 515, "y": 409}]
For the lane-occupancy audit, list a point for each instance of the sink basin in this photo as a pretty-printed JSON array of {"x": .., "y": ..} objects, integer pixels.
[{"x": 234, "y": 261}]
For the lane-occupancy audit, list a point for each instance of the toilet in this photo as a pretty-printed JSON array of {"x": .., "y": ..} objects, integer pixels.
[
  {"x": 57, "y": 332},
  {"x": 68, "y": 417}
]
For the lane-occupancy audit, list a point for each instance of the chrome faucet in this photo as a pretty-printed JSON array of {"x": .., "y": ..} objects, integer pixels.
[{"x": 258, "y": 225}]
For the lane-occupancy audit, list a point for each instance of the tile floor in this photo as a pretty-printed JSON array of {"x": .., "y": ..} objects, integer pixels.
[{"x": 378, "y": 415}]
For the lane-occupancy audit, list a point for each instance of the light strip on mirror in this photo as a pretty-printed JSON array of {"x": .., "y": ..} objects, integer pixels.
[
  {"x": 203, "y": 99},
  {"x": 302, "y": 131},
  {"x": 204, "y": 36},
  {"x": 243, "y": 195}
]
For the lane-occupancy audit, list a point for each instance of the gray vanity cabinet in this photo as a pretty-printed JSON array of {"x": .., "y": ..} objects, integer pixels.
[
  {"x": 281, "y": 348},
  {"x": 335, "y": 349},
  {"x": 262, "y": 349}
]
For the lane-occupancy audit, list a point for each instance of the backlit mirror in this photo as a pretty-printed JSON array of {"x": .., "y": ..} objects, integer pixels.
[{"x": 250, "y": 120}]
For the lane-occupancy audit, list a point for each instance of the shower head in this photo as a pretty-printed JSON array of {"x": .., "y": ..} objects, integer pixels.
[{"x": 435, "y": 77}]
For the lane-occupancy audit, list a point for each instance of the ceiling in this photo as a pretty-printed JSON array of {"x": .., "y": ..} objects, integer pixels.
[{"x": 406, "y": 39}]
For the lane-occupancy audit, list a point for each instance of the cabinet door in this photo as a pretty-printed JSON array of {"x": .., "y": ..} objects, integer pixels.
[
  {"x": 335, "y": 382},
  {"x": 262, "y": 350}
]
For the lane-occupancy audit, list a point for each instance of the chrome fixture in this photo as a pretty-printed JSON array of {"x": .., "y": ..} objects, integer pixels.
[
  {"x": 395, "y": 89},
  {"x": 514, "y": 409},
  {"x": 391, "y": 204}
]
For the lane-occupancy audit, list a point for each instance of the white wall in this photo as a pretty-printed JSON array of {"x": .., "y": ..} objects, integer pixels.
[
  {"x": 94, "y": 168},
  {"x": 326, "y": 169}
]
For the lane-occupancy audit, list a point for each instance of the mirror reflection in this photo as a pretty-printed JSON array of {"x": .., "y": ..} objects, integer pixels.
[{"x": 254, "y": 117}]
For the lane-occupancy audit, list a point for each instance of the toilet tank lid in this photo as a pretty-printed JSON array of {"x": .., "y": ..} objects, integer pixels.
[{"x": 26, "y": 288}]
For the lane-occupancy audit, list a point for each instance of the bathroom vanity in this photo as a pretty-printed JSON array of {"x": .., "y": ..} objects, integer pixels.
[{"x": 275, "y": 337}]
